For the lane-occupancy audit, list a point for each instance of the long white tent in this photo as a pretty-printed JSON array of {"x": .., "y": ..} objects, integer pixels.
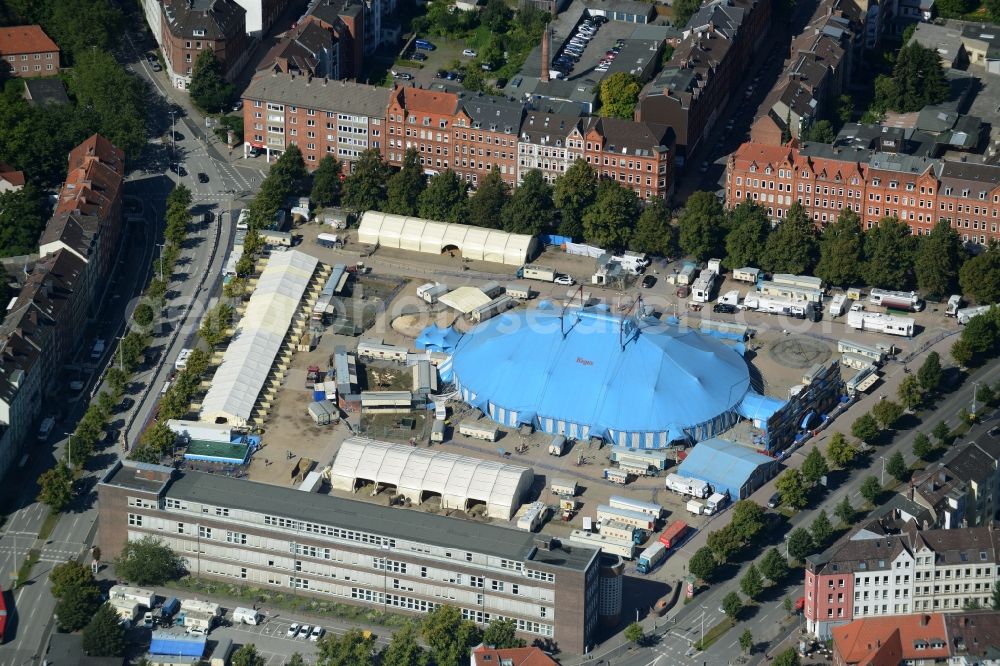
[
  {"x": 417, "y": 473},
  {"x": 248, "y": 360},
  {"x": 419, "y": 235}
]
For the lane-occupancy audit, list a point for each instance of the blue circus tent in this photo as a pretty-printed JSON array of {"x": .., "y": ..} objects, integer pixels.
[{"x": 437, "y": 339}]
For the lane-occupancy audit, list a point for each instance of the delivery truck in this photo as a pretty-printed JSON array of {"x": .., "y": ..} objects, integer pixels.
[
  {"x": 687, "y": 486},
  {"x": 696, "y": 507},
  {"x": 650, "y": 557},
  {"x": 715, "y": 503},
  {"x": 674, "y": 533}
]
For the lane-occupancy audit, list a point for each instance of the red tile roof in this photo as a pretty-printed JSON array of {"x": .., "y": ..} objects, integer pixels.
[
  {"x": 25, "y": 39},
  {"x": 11, "y": 175},
  {"x": 890, "y": 640},
  {"x": 527, "y": 656},
  {"x": 418, "y": 100},
  {"x": 99, "y": 147}
]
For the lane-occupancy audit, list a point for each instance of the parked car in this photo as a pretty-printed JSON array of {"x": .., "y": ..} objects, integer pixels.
[
  {"x": 564, "y": 280},
  {"x": 126, "y": 404},
  {"x": 293, "y": 630},
  {"x": 317, "y": 633},
  {"x": 486, "y": 67},
  {"x": 255, "y": 151},
  {"x": 418, "y": 57},
  {"x": 202, "y": 177},
  {"x": 156, "y": 66},
  {"x": 774, "y": 500},
  {"x": 648, "y": 281},
  {"x": 441, "y": 74},
  {"x": 724, "y": 308},
  {"x": 469, "y": 53},
  {"x": 304, "y": 631}
]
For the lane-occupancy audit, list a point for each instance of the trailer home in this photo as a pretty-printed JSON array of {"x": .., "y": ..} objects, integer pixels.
[
  {"x": 648, "y": 508},
  {"x": 703, "y": 289},
  {"x": 483, "y": 430},
  {"x": 860, "y": 319},
  {"x": 646, "y": 458},
  {"x": 746, "y": 274},
  {"x": 620, "y": 547}
]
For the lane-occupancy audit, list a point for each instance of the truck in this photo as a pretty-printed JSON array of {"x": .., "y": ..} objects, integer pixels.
[
  {"x": 839, "y": 305},
  {"x": 246, "y": 616},
  {"x": 556, "y": 445},
  {"x": 909, "y": 301},
  {"x": 862, "y": 320},
  {"x": 44, "y": 430},
  {"x": 684, "y": 485},
  {"x": 715, "y": 503},
  {"x": 650, "y": 557},
  {"x": 954, "y": 304},
  {"x": 696, "y": 507},
  {"x": 965, "y": 314},
  {"x": 746, "y": 274},
  {"x": 534, "y": 272},
  {"x": 674, "y": 533},
  {"x": 703, "y": 289}
]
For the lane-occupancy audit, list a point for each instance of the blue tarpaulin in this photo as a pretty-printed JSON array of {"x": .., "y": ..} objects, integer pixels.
[
  {"x": 437, "y": 339},
  {"x": 177, "y": 645},
  {"x": 551, "y": 239}
]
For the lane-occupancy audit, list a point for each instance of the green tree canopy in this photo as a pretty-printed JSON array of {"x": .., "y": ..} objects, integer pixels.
[
  {"x": 917, "y": 80},
  {"x": 820, "y": 131},
  {"x": 787, "y": 658},
  {"x": 502, "y": 634},
  {"x": 574, "y": 191},
  {"x": 682, "y": 11},
  {"x": 840, "y": 452},
  {"x": 56, "y": 487},
  {"x": 110, "y": 100},
  {"x": 774, "y": 565},
  {"x": 747, "y": 519},
  {"x": 403, "y": 649},
  {"x": 929, "y": 374},
  {"x": 104, "y": 635},
  {"x": 653, "y": 232},
  {"x": 70, "y": 574},
  {"x": 608, "y": 222},
  {"x": 77, "y": 606},
  {"x": 871, "y": 489},
  {"x": 792, "y": 488},
  {"x": 724, "y": 543},
  {"x": 703, "y": 226},
  {"x": 289, "y": 169},
  {"x": 841, "y": 250},
  {"x": 485, "y": 207},
  {"x": 909, "y": 392},
  {"x": 821, "y": 529},
  {"x": 209, "y": 89},
  {"x": 407, "y": 185},
  {"x": 635, "y": 633},
  {"x": 22, "y": 219},
  {"x": 844, "y": 510},
  {"x": 445, "y": 198},
  {"x": 326, "y": 185},
  {"x": 865, "y": 428},
  {"x": 353, "y": 648},
  {"x": 922, "y": 446},
  {"x": 752, "y": 584},
  {"x": 365, "y": 188},
  {"x": 619, "y": 95},
  {"x": 939, "y": 258},
  {"x": 887, "y": 412},
  {"x": 896, "y": 466},
  {"x": 980, "y": 276},
  {"x": 530, "y": 210},
  {"x": 889, "y": 250},
  {"x": 148, "y": 561},
  {"x": 792, "y": 247},
  {"x": 800, "y": 544},
  {"x": 702, "y": 564},
  {"x": 732, "y": 605},
  {"x": 448, "y": 635},
  {"x": 749, "y": 227},
  {"x": 814, "y": 467}
]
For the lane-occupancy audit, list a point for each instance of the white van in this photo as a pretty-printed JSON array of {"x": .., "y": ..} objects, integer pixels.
[
  {"x": 246, "y": 616},
  {"x": 241, "y": 221},
  {"x": 182, "y": 359}
]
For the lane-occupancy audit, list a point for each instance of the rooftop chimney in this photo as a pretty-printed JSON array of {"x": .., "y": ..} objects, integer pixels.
[
  {"x": 545, "y": 53},
  {"x": 925, "y": 620}
]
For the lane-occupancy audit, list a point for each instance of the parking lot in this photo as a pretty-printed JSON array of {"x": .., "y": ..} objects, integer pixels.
[{"x": 602, "y": 42}]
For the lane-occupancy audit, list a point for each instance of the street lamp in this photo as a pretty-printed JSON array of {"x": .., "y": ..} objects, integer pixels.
[
  {"x": 975, "y": 392},
  {"x": 881, "y": 478},
  {"x": 162, "y": 246},
  {"x": 121, "y": 352}
]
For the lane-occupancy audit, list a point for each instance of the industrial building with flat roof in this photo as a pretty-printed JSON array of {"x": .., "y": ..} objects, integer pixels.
[
  {"x": 728, "y": 467},
  {"x": 344, "y": 550}
]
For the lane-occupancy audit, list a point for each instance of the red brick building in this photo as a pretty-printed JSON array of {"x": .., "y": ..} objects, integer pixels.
[
  {"x": 189, "y": 27},
  {"x": 422, "y": 119},
  {"x": 28, "y": 51},
  {"x": 485, "y": 137},
  {"x": 824, "y": 179},
  {"x": 638, "y": 155}
]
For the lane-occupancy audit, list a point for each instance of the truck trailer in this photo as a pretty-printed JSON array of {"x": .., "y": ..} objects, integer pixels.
[
  {"x": 687, "y": 486},
  {"x": 965, "y": 314},
  {"x": 674, "y": 533},
  {"x": 697, "y": 507},
  {"x": 715, "y": 503},
  {"x": 650, "y": 557},
  {"x": 635, "y": 518},
  {"x": 954, "y": 305},
  {"x": 703, "y": 289},
  {"x": 839, "y": 305},
  {"x": 860, "y": 319},
  {"x": 620, "y": 547},
  {"x": 897, "y": 300},
  {"x": 649, "y": 508},
  {"x": 534, "y": 272}
]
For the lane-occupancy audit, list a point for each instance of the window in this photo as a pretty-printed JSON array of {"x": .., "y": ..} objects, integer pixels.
[
  {"x": 221, "y": 512},
  {"x": 135, "y": 519},
  {"x": 236, "y": 537},
  {"x": 204, "y": 532},
  {"x": 199, "y": 32}
]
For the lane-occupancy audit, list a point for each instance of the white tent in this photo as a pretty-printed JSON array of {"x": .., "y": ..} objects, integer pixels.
[
  {"x": 458, "y": 480},
  {"x": 419, "y": 235},
  {"x": 258, "y": 338}
]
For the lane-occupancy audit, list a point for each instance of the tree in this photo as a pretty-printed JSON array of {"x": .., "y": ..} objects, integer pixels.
[
  {"x": 787, "y": 604},
  {"x": 746, "y": 641},
  {"x": 800, "y": 544},
  {"x": 573, "y": 193},
  {"x": 820, "y": 131},
  {"x": 929, "y": 374},
  {"x": 910, "y": 393},
  {"x": 147, "y": 562},
  {"x": 21, "y": 221},
  {"x": 158, "y": 439},
  {"x": 787, "y": 658},
  {"x": 938, "y": 260},
  {"x": 896, "y": 466},
  {"x": 143, "y": 315},
  {"x": 941, "y": 432},
  {"x": 496, "y": 16},
  {"x": 821, "y": 529},
  {"x": 444, "y": 199},
  {"x": 922, "y": 447},
  {"x": 635, "y": 633},
  {"x": 109, "y": 99},
  {"x": 619, "y": 95},
  {"x": 871, "y": 489},
  {"x": 888, "y": 254},
  {"x": 365, "y": 188},
  {"x": 732, "y": 605},
  {"x": 77, "y": 606},
  {"x": 403, "y": 193},
  {"x": 840, "y": 250},
  {"x": 68, "y": 575},
  {"x": 653, "y": 233},
  {"x": 485, "y": 206},
  {"x": 962, "y": 352},
  {"x": 844, "y": 511},
  {"x": 208, "y": 88},
  {"x": 403, "y": 649},
  {"x": 104, "y": 635},
  {"x": 814, "y": 467},
  {"x": 774, "y": 565},
  {"x": 724, "y": 543},
  {"x": 326, "y": 182},
  {"x": 289, "y": 169},
  {"x": 354, "y": 648},
  {"x": 747, "y": 237},
  {"x": 530, "y": 209},
  {"x": 702, "y": 226},
  {"x": 887, "y": 412},
  {"x": 792, "y": 489},
  {"x": 56, "y": 487},
  {"x": 980, "y": 275},
  {"x": 702, "y": 564},
  {"x": 792, "y": 247},
  {"x": 683, "y": 10},
  {"x": 608, "y": 222},
  {"x": 501, "y": 634},
  {"x": 917, "y": 80},
  {"x": 448, "y": 635},
  {"x": 840, "y": 452},
  {"x": 993, "y": 10},
  {"x": 865, "y": 428},
  {"x": 747, "y": 519}
]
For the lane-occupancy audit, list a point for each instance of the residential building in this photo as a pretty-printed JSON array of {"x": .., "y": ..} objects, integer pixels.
[
  {"x": 359, "y": 553},
  {"x": 309, "y": 49},
  {"x": 875, "y": 184},
  {"x": 961, "y": 489},
  {"x": 543, "y": 144},
  {"x": 421, "y": 119},
  {"x": 45, "y": 92},
  {"x": 10, "y": 178},
  {"x": 945, "y": 39},
  {"x": 639, "y": 155},
  {"x": 261, "y": 14},
  {"x": 485, "y": 137},
  {"x": 890, "y": 568},
  {"x": 485, "y": 655},
  {"x": 972, "y": 637},
  {"x": 982, "y": 44},
  {"x": 891, "y": 640},
  {"x": 321, "y": 116},
  {"x": 707, "y": 66},
  {"x": 185, "y": 28},
  {"x": 28, "y": 51},
  {"x": 347, "y": 19}
]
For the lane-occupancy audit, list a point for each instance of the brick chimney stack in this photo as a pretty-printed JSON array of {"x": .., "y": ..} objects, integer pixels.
[{"x": 545, "y": 55}]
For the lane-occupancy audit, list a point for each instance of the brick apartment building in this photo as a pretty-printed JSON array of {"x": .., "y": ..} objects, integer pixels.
[
  {"x": 41, "y": 330},
  {"x": 185, "y": 28},
  {"x": 875, "y": 184},
  {"x": 969, "y": 638},
  {"x": 27, "y": 51},
  {"x": 355, "y": 552},
  {"x": 421, "y": 119},
  {"x": 885, "y": 569},
  {"x": 962, "y": 489},
  {"x": 636, "y": 154},
  {"x": 347, "y": 19},
  {"x": 485, "y": 137},
  {"x": 310, "y": 49},
  {"x": 321, "y": 116},
  {"x": 544, "y": 144},
  {"x": 706, "y": 68}
]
